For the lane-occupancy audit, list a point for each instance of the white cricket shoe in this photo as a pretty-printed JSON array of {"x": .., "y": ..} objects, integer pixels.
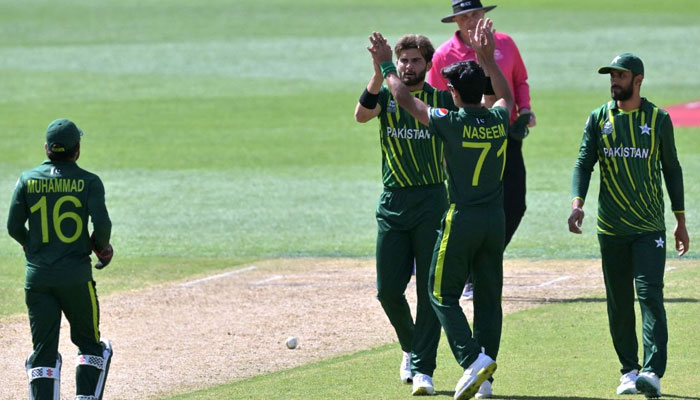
[
  {"x": 628, "y": 383},
  {"x": 423, "y": 385},
  {"x": 405, "y": 368},
  {"x": 468, "y": 292},
  {"x": 479, "y": 371},
  {"x": 485, "y": 390},
  {"x": 649, "y": 384}
]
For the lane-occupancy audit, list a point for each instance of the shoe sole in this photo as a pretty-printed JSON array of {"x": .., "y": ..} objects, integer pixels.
[
  {"x": 649, "y": 391},
  {"x": 423, "y": 391},
  {"x": 481, "y": 376},
  {"x": 628, "y": 391}
]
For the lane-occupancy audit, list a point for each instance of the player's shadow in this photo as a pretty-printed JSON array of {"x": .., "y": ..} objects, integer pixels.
[
  {"x": 578, "y": 398},
  {"x": 549, "y": 300}
]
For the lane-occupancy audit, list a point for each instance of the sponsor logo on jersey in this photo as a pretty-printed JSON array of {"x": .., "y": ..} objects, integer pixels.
[
  {"x": 607, "y": 128},
  {"x": 439, "y": 112},
  {"x": 406, "y": 133},
  {"x": 391, "y": 108},
  {"x": 626, "y": 152}
]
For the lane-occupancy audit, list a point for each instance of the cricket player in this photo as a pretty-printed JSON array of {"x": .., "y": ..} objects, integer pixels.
[
  {"x": 57, "y": 198},
  {"x": 473, "y": 229},
  {"x": 410, "y": 207},
  {"x": 632, "y": 140},
  {"x": 466, "y": 14}
]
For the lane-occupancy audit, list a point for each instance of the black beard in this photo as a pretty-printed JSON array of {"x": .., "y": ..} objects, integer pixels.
[
  {"x": 622, "y": 93},
  {"x": 414, "y": 81}
]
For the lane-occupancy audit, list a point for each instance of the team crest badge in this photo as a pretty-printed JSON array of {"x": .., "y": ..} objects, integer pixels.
[
  {"x": 607, "y": 128},
  {"x": 439, "y": 112}
]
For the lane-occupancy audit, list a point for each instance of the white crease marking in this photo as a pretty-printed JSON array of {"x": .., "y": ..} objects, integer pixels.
[
  {"x": 219, "y": 276},
  {"x": 562, "y": 278}
]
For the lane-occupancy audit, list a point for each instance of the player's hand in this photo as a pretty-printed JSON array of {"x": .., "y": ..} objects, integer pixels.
[
  {"x": 533, "y": 120},
  {"x": 104, "y": 257},
  {"x": 575, "y": 220},
  {"x": 380, "y": 49},
  {"x": 680, "y": 233},
  {"x": 482, "y": 40}
]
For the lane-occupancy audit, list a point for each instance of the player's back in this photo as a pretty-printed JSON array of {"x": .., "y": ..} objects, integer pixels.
[
  {"x": 58, "y": 196},
  {"x": 475, "y": 151}
]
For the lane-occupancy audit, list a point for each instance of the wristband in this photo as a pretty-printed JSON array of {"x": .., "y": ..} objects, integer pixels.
[
  {"x": 387, "y": 68},
  {"x": 369, "y": 100},
  {"x": 488, "y": 88}
]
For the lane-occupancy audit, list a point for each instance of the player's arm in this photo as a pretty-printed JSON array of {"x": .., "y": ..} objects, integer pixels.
[
  {"x": 367, "y": 107},
  {"x": 18, "y": 215},
  {"x": 382, "y": 56},
  {"x": 101, "y": 224},
  {"x": 673, "y": 176},
  {"x": 484, "y": 44},
  {"x": 521, "y": 88},
  {"x": 587, "y": 157}
]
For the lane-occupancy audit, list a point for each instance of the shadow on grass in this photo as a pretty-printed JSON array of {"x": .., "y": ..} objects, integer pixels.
[
  {"x": 546, "y": 300},
  {"x": 515, "y": 397}
]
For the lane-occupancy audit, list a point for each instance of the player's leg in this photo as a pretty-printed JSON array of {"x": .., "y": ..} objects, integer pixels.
[
  {"x": 394, "y": 266},
  {"x": 618, "y": 273},
  {"x": 452, "y": 256},
  {"x": 423, "y": 237},
  {"x": 81, "y": 307},
  {"x": 514, "y": 187},
  {"x": 649, "y": 252},
  {"x": 487, "y": 272},
  {"x": 44, "y": 364}
]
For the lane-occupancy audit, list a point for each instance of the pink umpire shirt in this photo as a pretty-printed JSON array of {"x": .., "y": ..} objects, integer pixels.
[{"x": 507, "y": 56}]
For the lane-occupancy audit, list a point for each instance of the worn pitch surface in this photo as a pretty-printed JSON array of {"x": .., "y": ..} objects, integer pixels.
[{"x": 192, "y": 334}]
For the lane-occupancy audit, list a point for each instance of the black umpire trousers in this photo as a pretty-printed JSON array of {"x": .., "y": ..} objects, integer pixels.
[{"x": 513, "y": 187}]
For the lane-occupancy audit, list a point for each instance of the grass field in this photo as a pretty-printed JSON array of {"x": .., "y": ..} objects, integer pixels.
[{"x": 223, "y": 131}]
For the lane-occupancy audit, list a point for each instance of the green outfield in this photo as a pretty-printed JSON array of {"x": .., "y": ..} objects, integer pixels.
[{"x": 223, "y": 131}]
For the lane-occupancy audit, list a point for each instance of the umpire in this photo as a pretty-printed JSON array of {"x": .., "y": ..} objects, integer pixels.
[{"x": 57, "y": 198}]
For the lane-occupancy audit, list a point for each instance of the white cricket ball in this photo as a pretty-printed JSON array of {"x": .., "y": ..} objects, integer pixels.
[{"x": 291, "y": 342}]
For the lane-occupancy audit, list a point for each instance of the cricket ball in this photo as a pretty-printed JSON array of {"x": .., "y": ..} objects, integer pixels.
[{"x": 291, "y": 342}]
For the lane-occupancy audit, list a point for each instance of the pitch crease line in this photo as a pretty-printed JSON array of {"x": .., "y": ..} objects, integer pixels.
[
  {"x": 219, "y": 276},
  {"x": 270, "y": 279},
  {"x": 562, "y": 278}
]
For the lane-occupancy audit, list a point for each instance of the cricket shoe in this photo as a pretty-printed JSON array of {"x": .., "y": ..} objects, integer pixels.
[
  {"x": 423, "y": 385},
  {"x": 405, "y": 368},
  {"x": 485, "y": 390},
  {"x": 628, "y": 383},
  {"x": 470, "y": 382},
  {"x": 649, "y": 384},
  {"x": 468, "y": 292}
]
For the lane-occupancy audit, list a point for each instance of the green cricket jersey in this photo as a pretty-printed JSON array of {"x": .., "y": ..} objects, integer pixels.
[
  {"x": 57, "y": 198},
  {"x": 475, "y": 150},
  {"x": 411, "y": 153},
  {"x": 633, "y": 148}
]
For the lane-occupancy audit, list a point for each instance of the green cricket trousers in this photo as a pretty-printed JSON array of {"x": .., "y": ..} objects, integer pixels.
[
  {"x": 79, "y": 303},
  {"x": 408, "y": 221},
  {"x": 629, "y": 261},
  {"x": 470, "y": 243}
]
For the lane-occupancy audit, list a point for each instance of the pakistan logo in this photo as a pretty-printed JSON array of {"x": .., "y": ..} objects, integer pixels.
[
  {"x": 391, "y": 107},
  {"x": 607, "y": 128}
]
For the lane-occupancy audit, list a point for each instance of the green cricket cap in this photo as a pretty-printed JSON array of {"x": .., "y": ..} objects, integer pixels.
[
  {"x": 62, "y": 135},
  {"x": 624, "y": 62}
]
